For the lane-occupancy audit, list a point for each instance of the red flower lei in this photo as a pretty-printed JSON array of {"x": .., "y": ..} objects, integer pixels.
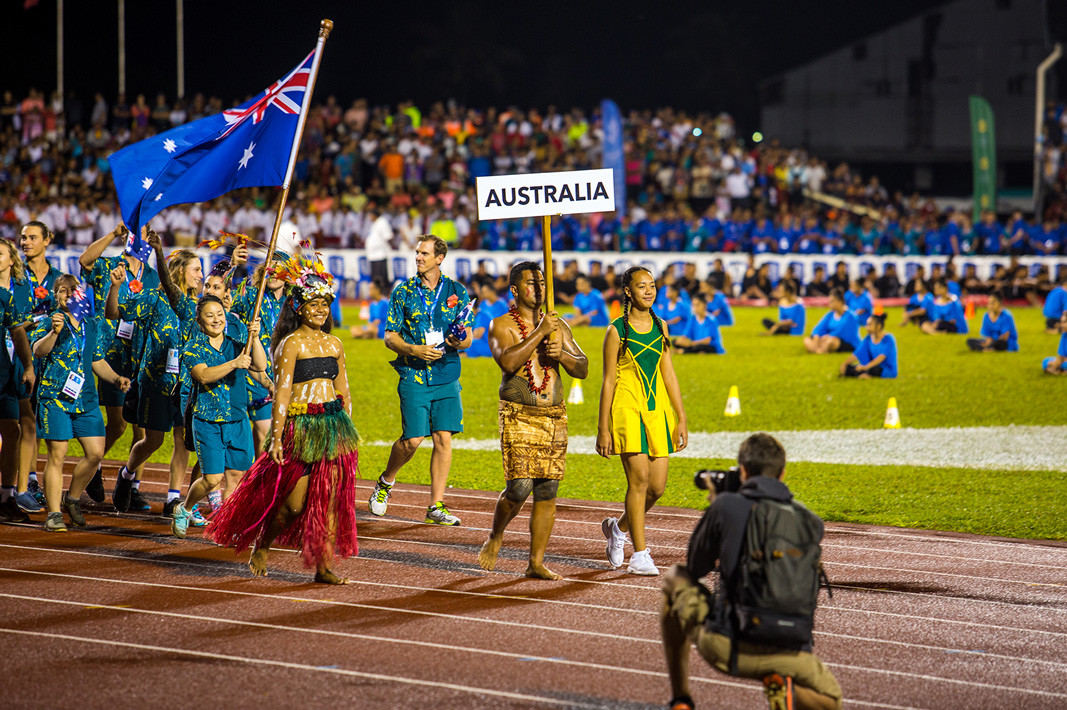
[
  {"x": 136, "y": 286},
  {"x": 537, "y": 389},
  {"x": 40, "y": 292},
  {"x": 452, "y": 301}
]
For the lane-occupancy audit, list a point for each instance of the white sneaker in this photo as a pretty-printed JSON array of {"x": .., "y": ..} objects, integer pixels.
[
  {"x": 379, "y": 499},
  {"x": 616, "y": 541},
  {"x": 641, "y": 563},
  {"x": 437, "y": 514}
]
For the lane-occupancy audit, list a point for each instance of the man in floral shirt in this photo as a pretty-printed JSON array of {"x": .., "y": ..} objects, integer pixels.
[{"x": 427, "y": 326}]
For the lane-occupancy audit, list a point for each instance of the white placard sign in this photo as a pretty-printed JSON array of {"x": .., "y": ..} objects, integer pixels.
[{"x": 540, "y": 194}]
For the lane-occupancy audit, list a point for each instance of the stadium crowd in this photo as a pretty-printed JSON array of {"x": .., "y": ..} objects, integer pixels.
[{"x": 692, "y": 184}]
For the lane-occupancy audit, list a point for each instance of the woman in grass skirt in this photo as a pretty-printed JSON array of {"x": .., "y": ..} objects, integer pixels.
[{"x": 300, "y": 492}]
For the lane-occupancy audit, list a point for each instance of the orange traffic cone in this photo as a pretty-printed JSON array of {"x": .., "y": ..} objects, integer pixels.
[
  {"x": 878, "y": 309},
  {"x": 968, "y": 311},
  {"x": 615, "y": 311}
]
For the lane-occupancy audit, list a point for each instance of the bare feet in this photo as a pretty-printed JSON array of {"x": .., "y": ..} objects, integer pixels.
[
  {"x": 258, "y": 562},
  {"x": 326, "y": 576},
  {"x": 487, "y": 557},
  {"x": 536, "y": 570}
]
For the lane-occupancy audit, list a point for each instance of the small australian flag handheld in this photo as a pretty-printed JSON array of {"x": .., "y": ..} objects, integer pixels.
[{"x": 458, "y": 330}]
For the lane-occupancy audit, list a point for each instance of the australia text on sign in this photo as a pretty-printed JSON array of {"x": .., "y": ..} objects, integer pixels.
[{"x": 540, "y": 194}]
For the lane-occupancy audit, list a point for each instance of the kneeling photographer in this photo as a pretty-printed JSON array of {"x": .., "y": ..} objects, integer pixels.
[{"x": 763, "y": 548}]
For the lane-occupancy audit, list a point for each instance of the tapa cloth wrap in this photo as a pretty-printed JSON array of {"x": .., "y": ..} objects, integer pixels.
[
  {"x": 533, "y": 440},
  {"x": 322, "y": 446}
]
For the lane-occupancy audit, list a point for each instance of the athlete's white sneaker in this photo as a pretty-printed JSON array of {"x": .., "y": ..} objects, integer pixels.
[
  {"x": 616, "y": 541},
  {"x": 641, "y": 563},
  {"x": 437, "y": 514},
  {"x": 379, "y": 499}
]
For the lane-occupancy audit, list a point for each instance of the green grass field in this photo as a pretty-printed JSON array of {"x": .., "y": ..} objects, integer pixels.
[{"x": 941, "y": 384}]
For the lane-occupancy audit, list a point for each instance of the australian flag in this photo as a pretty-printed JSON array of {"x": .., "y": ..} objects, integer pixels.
[
  {"x": 247, "y": 146},
  {"x": 79, "y": 304}
]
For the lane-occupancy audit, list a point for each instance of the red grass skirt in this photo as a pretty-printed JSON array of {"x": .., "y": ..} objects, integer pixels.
[{"x": 331, "y": 493}]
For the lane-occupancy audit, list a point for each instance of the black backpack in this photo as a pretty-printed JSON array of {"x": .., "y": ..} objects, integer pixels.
[{"x": 774, "y": 591}]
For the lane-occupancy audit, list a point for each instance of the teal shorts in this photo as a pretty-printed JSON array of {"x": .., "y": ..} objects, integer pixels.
[
  {"x": 156, "y": 409},
  {"x": 110, "y": 395},
  {"x": 223, "y": 446},
  {"x": 425, "y": 409},
  {"x": 53, "y": 424}
]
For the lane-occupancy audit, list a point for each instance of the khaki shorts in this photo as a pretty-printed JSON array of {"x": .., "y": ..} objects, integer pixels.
[{"x": 690, "y": 608}]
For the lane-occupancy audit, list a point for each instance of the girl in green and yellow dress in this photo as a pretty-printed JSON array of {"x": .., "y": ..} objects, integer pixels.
[{"x": 641, "y": 414}]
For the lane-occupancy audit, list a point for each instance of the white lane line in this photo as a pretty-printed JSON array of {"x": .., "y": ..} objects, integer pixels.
[
  {"x": 959, "y": 447},
  {"x": 822, "y": 608},
  {"x": 946, "y": 574},
  {"x": 433, "y": 684},
  {"x": 366, "y": 637},
  {"x": 926, "y": 536},
  {"x": 954, "y": 681},
  {"x": 714, "y": 681}
]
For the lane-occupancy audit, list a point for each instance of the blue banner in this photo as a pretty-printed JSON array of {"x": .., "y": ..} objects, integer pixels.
[{"x": 613, "y": 156}]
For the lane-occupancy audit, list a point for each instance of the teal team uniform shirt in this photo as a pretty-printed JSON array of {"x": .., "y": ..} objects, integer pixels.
[
  {"x": 412, "y": 312},
  {"x": 869, "y": 350},
  {"x": 244, "y": 302},
  {"x": 75, "y": 350},
  {"x": 844, "y": 327},
  {"x": 10, "y": 366},
  {"x": 158, "y": 334},
  {"x": 1005, "y": 323},
  {"x": 119, "y": 350},
  {"x": 226, "y": 399}
]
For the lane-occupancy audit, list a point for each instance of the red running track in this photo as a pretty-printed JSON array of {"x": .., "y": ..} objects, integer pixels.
[{"x": 123, "y": 615}]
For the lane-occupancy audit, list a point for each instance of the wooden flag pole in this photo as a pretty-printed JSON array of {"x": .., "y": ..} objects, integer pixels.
[
  {"x": 546, "y": 239},
  {"x": 325, "y": 27}
]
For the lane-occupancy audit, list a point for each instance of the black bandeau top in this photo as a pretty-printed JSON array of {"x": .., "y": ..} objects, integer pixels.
[{"x": 314, "y": 368}]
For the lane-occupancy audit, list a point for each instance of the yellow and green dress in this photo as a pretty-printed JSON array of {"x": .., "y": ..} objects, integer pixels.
[{"x": 642, "y": 420}]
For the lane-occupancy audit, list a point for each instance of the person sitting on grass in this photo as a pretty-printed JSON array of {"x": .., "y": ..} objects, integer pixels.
[
  {"x": 589, "y": 306},
  {"x": 919, "y": 304},
  {"x": 377, "y": 312},
  {"x": 718, "y": 306},
  {"x": 877, "y": 354},
  {"x": 1057, "y": 364},
  {"x": 1055, "y": 305},
  {"x": 998, "y": 329},
  {"x": 701, "y": 332},
  {"x": 790, "y": 315},
  {"x": 837, "y": 331},
  {"x": 945, "y": 312},
  {"x": 675, "y": 310},
  {"x": 858, "y": 300}
]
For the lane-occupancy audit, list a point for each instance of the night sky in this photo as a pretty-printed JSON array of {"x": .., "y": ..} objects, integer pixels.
[{"x": 698, "y": 56}]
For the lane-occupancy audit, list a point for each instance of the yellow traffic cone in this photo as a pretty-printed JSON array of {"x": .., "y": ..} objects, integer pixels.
[
  {"x": 576, "y": 396},
  {"x": 733, "y": 403},
  {"x": 892, "y": 415}
]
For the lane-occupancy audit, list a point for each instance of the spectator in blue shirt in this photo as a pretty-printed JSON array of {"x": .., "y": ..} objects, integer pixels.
[
  {"x": 859, "y": 302},
  {"x": 989, "y": 234},
  {"x": 946, "y": 313},
  {"x": 377, "y": 312},
  {"x": 589, "y": 306},
  {"x": 876, "y": 356},
  {"x": 838, "y": 330},
  {"x": 719, "y": 307},
  {"x": 490, "y": 306},
  {"x": 1057, "y": 364},
  {"x": 920, "y": 302},
  {"x": 790, "y": 315},
  {"x": 1055, "y": 305},
  {"x": 998, "y": 329},
  {"x": 674, "y": 311},
  {"x": 700, "y": 333}
]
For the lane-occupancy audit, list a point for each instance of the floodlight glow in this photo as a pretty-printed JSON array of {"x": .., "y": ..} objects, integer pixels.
[{"x": 757, "y": 137}]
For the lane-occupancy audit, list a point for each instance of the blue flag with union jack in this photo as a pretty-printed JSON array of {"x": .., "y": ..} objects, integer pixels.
[{"x": 247, "y": 146}]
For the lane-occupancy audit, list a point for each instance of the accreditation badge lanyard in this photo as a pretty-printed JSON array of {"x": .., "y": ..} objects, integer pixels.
[
  {"x": 434, "y": 338},
  {"x": 8, "y": 342},
  {"x": 125, "y": 327},
  {"x": 73, "y": 386}
]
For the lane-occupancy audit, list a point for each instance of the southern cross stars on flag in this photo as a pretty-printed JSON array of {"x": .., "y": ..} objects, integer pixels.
[{"x": 246, "y": 146}]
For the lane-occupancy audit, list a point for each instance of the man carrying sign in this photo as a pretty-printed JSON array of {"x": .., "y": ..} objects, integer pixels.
[
  {"x": 529, "y": 348},
  {"x": 422, "y": 310}
]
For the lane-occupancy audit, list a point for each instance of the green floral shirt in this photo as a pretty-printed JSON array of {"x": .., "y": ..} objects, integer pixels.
[
  {"x": 157, "y": 333},
  {"x": 75, "y": 350},
  {"x": 226, "y": 399},
  {"x": 120, "y": 351}
]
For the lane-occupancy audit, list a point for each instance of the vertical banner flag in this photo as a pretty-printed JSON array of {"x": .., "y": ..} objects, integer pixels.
[
  {"x": 984, "y": 156},
  {"x": 613, "y": 156},
  {"x": 247, "y": 146}
]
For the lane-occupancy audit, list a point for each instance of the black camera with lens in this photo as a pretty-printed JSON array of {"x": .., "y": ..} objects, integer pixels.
[{"x": 728, "y": 481}]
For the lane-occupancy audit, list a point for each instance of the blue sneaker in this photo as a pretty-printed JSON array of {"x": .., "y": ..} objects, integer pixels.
[
  {"x": 27, "y": 503},
  {"x": 34, "y": 489},
  {"x": 179, "y": 522},
  {"x": 196, "y": 519}
]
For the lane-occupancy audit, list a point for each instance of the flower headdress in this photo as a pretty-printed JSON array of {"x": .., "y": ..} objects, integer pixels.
[{"x": 307, "y": 278}]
